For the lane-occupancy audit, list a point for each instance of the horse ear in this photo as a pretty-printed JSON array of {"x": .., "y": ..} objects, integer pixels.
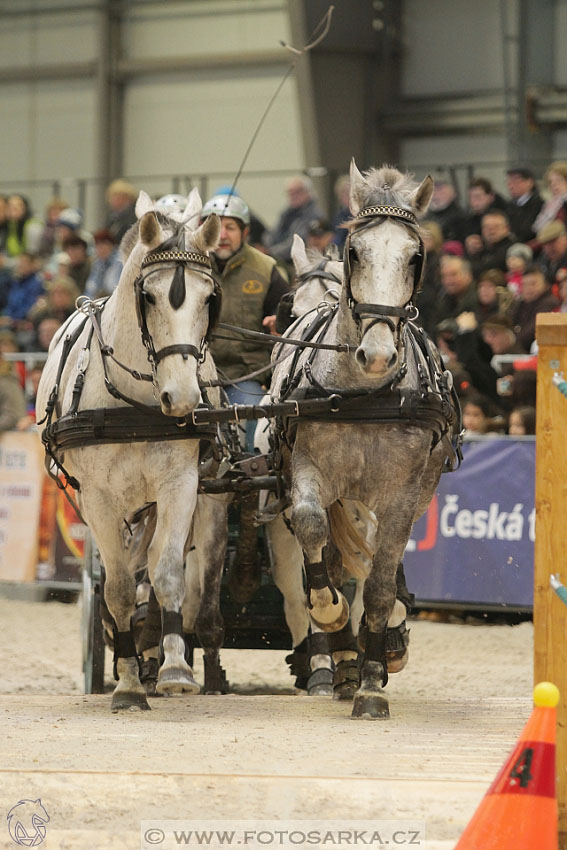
[
  {"x": 299, "y": 255},
  {"x": 207, "y": 236},
  {"x": 193, "y": 209},
  {"x": 144, "y": 204},
  {"x": 150, "y": 232},
  {"x": 358, "y": 187},
  {"x": 421, "y": 198}
]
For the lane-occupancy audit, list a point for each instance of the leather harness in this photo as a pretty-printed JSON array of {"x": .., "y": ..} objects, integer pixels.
[{"x": 434, "y": 405}]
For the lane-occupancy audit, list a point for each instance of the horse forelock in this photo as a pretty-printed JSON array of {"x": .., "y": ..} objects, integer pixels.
[
  {"x": 389, "y": 187},
  {"x": 169, "y": 225}
]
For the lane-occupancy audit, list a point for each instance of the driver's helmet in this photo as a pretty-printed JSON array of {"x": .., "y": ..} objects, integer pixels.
[
  {"x": 171, "y": 203},
  {"x": 227, "y": 205}
]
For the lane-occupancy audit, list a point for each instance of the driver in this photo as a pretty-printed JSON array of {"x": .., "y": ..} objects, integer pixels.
[{"x": 252, "y": 284}]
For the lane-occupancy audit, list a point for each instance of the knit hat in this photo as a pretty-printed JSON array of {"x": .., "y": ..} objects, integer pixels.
[
  {"x": 518, "y": 249},
  {"x": 453, "y": 248},
  {"x": 70, "y": 218}
]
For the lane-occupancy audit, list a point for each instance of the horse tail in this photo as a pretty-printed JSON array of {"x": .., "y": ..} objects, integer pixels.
[
  {"x": 138, "y": 532},
  {"x": 355, "y": 552}
]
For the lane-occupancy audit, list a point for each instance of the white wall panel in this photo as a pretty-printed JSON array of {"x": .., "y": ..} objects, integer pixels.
[
  {"x": 45, "y": 39},
  {"x": 451, "y": 47},
  {"x": 203, "y": 123},
  {"x": 47, "y": 130},
  {"x": 198, "y": 28}
]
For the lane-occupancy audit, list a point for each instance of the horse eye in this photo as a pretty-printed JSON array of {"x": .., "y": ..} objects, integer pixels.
[
  {"x": 149, "y": 298},
  {"x": 352, "y": 255}
]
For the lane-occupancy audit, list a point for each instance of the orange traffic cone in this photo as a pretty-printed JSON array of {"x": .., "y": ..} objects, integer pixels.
[{"x": 519, "y": 810}]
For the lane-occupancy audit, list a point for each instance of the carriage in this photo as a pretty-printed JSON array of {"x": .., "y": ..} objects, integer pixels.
[{"x": 388, "y": 375}]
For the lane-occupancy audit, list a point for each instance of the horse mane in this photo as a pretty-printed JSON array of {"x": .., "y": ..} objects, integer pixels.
[
  {"x": 130, "y": 238},
  {"x": 387, "y": 185}
]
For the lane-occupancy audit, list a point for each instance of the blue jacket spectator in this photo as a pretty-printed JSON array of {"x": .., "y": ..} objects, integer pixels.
[
  {"x": 25, "y": 288},
  {"x": 106, "y": 268},
  {"x": 303, "y": 209}
]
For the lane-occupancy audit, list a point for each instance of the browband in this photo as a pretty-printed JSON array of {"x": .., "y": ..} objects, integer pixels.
[
  {"x": 176, "y": 257},
  {"x": 383, "y": 209}
]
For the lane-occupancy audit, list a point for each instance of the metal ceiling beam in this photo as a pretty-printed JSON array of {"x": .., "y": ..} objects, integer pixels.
[
  {"x": 473, "y": 113},
  {"x": 49, "y": 73},
  {"x": 128, "y": 67}
]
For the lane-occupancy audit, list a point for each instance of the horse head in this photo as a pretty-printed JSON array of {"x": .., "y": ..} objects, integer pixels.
[
  {"x": 319, "y": 277},
  {"x": 383, "y": 259},
  {"x": 177, "y": 298}
]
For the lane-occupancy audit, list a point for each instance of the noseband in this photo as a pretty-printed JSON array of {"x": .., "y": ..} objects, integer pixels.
[
  {"x": 372, "y": 217},
  {"x": 192, "y": 260}
]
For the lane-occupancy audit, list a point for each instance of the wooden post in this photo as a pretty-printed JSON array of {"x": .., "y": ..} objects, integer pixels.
[{"x": 550, "y": 613}]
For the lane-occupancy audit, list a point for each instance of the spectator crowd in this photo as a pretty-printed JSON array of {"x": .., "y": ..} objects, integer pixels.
[{"x": 492, "y": 265}]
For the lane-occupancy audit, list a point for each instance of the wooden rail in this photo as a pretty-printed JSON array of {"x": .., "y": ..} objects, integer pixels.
[{"x": 550, "y": 613}]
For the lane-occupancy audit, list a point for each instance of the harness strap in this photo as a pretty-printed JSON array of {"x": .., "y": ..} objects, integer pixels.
[{"x": 181, "y": 348}]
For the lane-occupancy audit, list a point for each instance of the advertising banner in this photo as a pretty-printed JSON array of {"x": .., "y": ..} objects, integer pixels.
[
  {"x": 21, "y": 480},
  {"x": 61, "y": 537},
  {"x": 476, "y": 542}
]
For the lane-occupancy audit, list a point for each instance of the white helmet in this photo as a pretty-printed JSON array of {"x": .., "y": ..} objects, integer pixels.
[
  {"x": 171, "y": 203},
  {"x": 227, "y": 205}
]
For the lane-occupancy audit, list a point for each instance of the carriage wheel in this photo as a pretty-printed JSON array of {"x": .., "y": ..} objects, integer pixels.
[{"x": 93, "y": 643}]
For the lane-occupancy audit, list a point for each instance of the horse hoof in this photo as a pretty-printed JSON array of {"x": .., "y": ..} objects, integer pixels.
[
  {"x": 396, "y": 661},
  {"x": 149, "y": 676},
  {"x": 340, "y": 611},
  {"x": 320, "y": 683},
  {"x": 129, "y": 700},
  {"x": 346, "y": 680},
  {"x": 370, "y": 707},
  {"x": 174, "y": 680}
]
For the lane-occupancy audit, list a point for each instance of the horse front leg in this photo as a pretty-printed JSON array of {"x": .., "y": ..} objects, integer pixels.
[
  {"x": 120, "y": 598},
  {"x": 176, "y": 506},
  {"x": 328, "y": 607},
  {"x": 380, "y": 588}
]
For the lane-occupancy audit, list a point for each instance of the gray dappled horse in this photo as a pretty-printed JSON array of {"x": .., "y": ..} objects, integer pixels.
[
  {"x": 319, "y": 281},
  {"x": 162, "y": 311},
  {"x": 391, "y": 466}
]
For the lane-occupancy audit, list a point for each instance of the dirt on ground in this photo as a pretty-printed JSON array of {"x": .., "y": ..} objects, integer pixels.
[{"x": 263, "y": 753}]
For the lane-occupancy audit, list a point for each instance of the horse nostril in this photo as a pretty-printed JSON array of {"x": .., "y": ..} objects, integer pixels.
[
  {"x": 392, "y": 360},
  {"x": 166, "y": 401},
  {"x": 360, "y": 358}
]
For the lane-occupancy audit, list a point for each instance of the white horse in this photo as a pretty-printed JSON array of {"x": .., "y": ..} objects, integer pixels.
[
  {"x": 393, "y": 398},
  {"x": 320, "y": 281},
  {"x": 160, "y": 311}
]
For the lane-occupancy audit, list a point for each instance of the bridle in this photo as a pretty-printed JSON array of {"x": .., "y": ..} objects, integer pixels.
[
  {"x": 368, "y": 218},
  {"x": 320, "y": 273},
  {"x": 193, "y": 260}
]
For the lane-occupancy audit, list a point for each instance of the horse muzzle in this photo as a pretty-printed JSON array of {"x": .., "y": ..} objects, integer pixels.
[
  {"x": 378, "y": 362},
  {"x": 178, "y": 400}
]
